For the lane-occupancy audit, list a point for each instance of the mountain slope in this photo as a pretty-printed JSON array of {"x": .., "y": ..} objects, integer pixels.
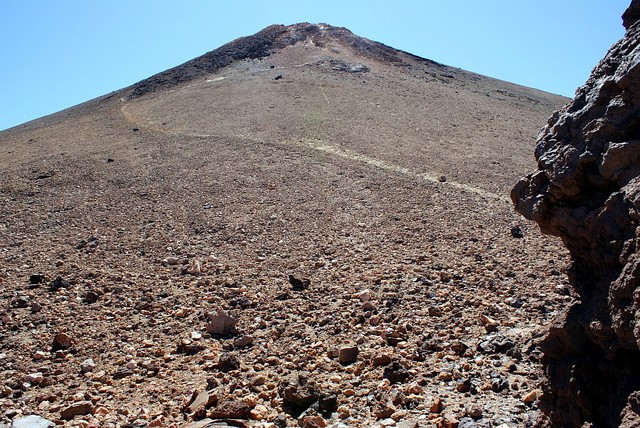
[{"x": 305, "y": 151}]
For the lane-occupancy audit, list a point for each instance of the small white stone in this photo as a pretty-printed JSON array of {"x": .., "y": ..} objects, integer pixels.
[
  {"x": 87, "y": 365},
  {"x": 220, "y": 322},
  {"x": 32, "y": 421}
]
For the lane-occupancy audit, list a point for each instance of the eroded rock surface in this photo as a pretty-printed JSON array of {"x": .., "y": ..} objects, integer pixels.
[{"x": 587, "y": 191}]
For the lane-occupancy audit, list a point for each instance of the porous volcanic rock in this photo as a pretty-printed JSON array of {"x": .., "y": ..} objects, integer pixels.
[{"x": 587, "y": 191}]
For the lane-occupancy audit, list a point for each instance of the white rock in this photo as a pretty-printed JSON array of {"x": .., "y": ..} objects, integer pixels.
[
  {"x": 87, "y": 365},
  {"x": 220, "y": 322},
  {"x": 32, "y": 421}
]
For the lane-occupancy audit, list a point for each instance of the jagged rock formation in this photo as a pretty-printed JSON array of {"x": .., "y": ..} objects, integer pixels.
[{"x": 587, "y": 191}]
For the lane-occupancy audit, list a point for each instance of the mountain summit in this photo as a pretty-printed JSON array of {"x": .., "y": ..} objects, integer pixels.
[
  {"x": 263, "y": 44},
  {"x": 321, "y": 85},
  {"x": 300, "y": 228}
]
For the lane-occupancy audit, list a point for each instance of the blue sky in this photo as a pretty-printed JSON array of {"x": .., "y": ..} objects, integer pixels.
[{"x": 58, "y": 53}]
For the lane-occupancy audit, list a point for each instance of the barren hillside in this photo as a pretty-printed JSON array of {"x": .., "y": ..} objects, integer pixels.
[{"x": 344, "y": 202}]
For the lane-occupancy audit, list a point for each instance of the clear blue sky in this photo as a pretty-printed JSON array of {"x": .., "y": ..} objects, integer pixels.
[{"x": 58, "y": 53}]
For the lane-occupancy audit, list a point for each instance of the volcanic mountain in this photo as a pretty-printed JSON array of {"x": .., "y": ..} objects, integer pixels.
[{"x": 301, "y": 227}]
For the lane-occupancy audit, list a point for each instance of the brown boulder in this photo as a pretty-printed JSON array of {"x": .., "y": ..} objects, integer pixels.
[
  {"x": 234, "y": 409},
  {"x": 76, "y": 409}
]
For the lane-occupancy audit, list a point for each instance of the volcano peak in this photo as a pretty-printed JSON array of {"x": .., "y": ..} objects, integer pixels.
[{"x": 261, "y": 45}]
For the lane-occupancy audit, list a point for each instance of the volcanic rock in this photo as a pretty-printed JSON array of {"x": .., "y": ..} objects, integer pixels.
[
  {"x": 221, "y": 323},
  {"x": 58, "y": 283},
  {"x": 233, "y": 409},
  {"x": 61, "y": 341},
  {"x": 299, "y": 392},
  {"x": 228, "y": 361},
  {"x": 396, "y": 373},
  {"x": 76, "y": 409},
  {"x": 348, "y": 354},
  {"x": 32, "y": 421},
  {"x": 587, "y": 191},
  {"x": 299, "y": 283},
  {"x": 87, "y": 365},
  {"x": 36, "y": 279}
]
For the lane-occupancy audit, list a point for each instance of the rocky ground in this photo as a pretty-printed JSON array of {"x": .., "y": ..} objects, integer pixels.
[{"x": 159, "y": 273}]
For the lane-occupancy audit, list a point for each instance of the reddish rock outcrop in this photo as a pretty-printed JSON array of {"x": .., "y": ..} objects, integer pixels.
[{"x": 587, "y": 191}]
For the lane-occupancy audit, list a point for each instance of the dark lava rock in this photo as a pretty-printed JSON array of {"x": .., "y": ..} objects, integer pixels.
[
  {"x": 122, "y": 372},
  {"x": 228, "y": 361},
  {"x": 58, "y": 283},
  {"x": 499, "y": 384},
  {"x": 496, "y": 344},
  {"x": 516, "y": 232},
  {"x": 587, "y": 191},
  {"x": 90, "y": 297},
  {"x": 90, "y": 243},
  {"x": 20, "y": 302},
  {"x": 299, "y": 283},
  {"x": 299, "y": 392},
  {"x": 339, "y": 65},
  {"x": 328, "y": 404},
  {"x": 632, "y": 14},
  {"x": 37, "y": 279},
  {"x": 395, "y": 373}
]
